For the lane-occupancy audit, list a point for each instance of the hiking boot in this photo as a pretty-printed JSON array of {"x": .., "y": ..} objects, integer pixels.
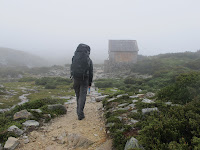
[{"x": 81, "y": 118}]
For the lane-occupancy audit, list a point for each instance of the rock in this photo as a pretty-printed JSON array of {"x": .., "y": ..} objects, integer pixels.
[
  {"x": 140, "y": 95},
  {"x": 100, "y": 98},
  {"x": 168, "y": 103},
  {"x": 118, "y": 96},
  {"x": 105, "y": 146},
  {"x": 120, "y": 118},
  {"x": 60, "y": 140},
  {"x": 134, "y": 111},
  {"x": 59, "y": 107},
  {"x": 150, "y": 94},
  {"x": 77, "y": 141},
  {"x": 131, "y": 106},
  {"x": 48, "y": 116},
  {"x": 135, "y": 96},
  {"x": 112, "y": 99},
  {"x": 26, "y": 139},
  {"x": 23, "y": 114},
  {"x": 11, "y": 143},
  {"x": 147, "y": 110},
  {"x": 113, "y": 90},
  {"x": 16, "y": 130},
  {"x": 132, "y": 121},
  {"x": 69, "y": 102},
  {"x": 53, "y": 138},
  {"x": 121, "y": 105},
  {"x": 93, "y": 99},
  {"x": 36, "y": 110},
  {"x": 108, "y": 125},
  {"x": 134, "y": 101},
  {"x": 125, "y": 108},
  {"x": 147, "y": 101},
  {"x": 1, "y": 147},
  {"x": 31, "y": 123},
  {"x": 132, "y": 144}
]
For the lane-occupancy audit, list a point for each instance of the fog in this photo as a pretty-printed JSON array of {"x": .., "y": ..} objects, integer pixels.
[{"x": 53, "y": 28}]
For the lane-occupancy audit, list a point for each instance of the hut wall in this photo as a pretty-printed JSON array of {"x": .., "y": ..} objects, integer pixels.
[{"x": 123, "y": 57}]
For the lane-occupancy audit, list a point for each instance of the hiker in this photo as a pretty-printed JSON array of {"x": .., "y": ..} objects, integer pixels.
[{"x": 82, "y": 74}]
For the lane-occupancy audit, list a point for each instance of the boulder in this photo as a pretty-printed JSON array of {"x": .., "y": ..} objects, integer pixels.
[
  {"x": 147, "y": 101},
  {"x": 100, "y": 98},
  {"x": 16, "y": 130},
  {"x": 1, "y": 147},
  {"x": 31, "y": 123},
  {"x": 59, "y": 107},
  {"x": 147, "y": 110},
  {"x": 11, "y": 143},
  {"x": 23, "y": 114},
  {"x": 132, "y": 144}
]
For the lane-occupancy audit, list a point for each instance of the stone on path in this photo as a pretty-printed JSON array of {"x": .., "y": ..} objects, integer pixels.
[
  {"x": 77, "y": 141},
  {"x": 23, "y": 114},
  {"x": 11, "y": 143},
  {"x": 105, "y": 146},
  {"x": 16, "y": 130}
]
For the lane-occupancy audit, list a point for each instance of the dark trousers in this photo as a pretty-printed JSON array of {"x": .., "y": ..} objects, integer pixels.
[{"x": 80, "y": 87}]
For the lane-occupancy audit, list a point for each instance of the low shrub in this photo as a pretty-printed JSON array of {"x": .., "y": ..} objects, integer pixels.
[
  {"x": 185, "y": 88},
  {"x": 27, "y": 79}
]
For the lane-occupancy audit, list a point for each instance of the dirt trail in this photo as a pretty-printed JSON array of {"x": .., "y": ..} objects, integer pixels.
[{"x": 54, "y": 135}]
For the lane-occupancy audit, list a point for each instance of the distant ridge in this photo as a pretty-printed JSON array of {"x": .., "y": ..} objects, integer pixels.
[{"x": 13, "y": 58}]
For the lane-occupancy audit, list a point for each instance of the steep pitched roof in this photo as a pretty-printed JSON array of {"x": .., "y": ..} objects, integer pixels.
[{"x": 123, "y": 46}]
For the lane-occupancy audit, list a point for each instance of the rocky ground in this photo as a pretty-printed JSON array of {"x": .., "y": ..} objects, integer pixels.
[{"x": 67, "y": 132}]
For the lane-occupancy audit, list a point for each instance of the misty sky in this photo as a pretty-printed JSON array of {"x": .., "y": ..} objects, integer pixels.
[{"x": 56, "y": 27}]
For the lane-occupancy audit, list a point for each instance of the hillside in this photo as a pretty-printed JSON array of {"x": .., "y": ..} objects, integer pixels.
[
  {"x": 12, "y": 58},
  {"x": 167, "y": 62}
]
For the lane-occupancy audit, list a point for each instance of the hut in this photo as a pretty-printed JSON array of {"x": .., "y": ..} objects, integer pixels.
[{"x": 122, "y": 53}]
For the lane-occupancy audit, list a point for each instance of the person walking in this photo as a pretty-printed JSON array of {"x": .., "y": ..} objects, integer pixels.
[{"x": 82, "y": 74}]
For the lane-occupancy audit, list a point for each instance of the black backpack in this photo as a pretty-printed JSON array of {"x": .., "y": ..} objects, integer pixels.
[{"x": 80, "y": 62}]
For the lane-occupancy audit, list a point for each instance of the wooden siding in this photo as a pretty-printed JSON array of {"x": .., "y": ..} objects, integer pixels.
[{"x": 123, "y": 57}]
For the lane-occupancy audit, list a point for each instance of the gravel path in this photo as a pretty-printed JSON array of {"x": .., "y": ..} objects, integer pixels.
[{"x": 55, "y": 135}]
